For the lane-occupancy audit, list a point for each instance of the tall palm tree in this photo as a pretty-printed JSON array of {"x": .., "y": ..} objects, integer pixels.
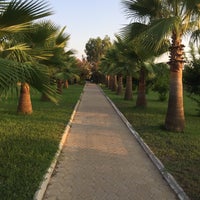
[
  {"x": 15, "y": 17},
  {"x": 167, "y": 19}
]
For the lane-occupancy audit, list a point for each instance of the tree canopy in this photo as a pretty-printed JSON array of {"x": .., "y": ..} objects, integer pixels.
[{"x": 95, "y": 49}]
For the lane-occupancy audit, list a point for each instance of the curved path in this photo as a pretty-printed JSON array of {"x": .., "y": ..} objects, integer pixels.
[{"x": 101, "y": 160}]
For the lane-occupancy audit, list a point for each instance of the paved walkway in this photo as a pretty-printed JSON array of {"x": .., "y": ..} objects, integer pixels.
[{"x": 101, "y": 159}]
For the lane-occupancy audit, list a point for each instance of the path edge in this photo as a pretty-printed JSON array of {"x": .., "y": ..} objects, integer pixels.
[
  {"x": 159, "y": 165},
  {"x": 39, "y": 194}
]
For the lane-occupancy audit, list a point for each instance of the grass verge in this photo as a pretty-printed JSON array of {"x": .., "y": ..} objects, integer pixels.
[
  {"x": 29, "y": 143},
  {"x": 179, "y": 152}
]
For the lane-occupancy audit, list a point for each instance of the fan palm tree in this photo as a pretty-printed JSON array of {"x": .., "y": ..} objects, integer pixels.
[
  {"x": 16, "y": 17},
  {"x": 129, "y": 64},
  {"x": 108, "y": 66},
  {"x": 64, "y": 63},
  {"x": 42, "y": 39},
  {"x": 33, "y": 48},
  {"x": 47, "y": 38},
  {"x": 145, "y": 64},
  {"x": 167, "y": 19},
  {"x": 146, "y": 72},
  {"x": 122, "y": 61}
]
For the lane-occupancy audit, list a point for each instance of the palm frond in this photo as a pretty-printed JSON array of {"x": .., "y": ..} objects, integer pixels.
[
  {"x": 21, "y": 47},
  {"x": 18, "y": 12},
  {"x": 195, "y": 37},
  {"x": 42, "y": 34},
  {"x": 143, "y": 10},
  {"x": 157, "y": 32},
  {"x": 3, "y": 4},
  {"x": 39, "y": 78},
  {"x": 17, "y": 53},
  {"x": 10, "y": 74},
  {"x": 192, "y": 6},
  {"x": 41, "y": 55},
  {"x": 132, "y": 30},
  {"x": 62, "y": 38},
  {"x": 16, "y": 15},
  {"x": 13, "y": 28}
]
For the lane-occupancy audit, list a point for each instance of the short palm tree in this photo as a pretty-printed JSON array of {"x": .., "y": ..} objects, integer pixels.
[
  {"x": 167, "y": 19},
  {"x": 41, "y": 38},
  {"x": 15, "y": 17}
]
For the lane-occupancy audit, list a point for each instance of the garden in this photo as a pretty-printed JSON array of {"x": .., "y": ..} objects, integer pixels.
[{"x": 41, "y": 80}]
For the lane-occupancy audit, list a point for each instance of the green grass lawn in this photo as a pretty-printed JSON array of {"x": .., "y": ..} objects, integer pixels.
[
  {"x": 179, "y": 152},
  {"x": 29, "y": 143}
]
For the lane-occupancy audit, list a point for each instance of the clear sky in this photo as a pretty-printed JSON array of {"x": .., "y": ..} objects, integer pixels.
[{"x": 87, "y": 19}]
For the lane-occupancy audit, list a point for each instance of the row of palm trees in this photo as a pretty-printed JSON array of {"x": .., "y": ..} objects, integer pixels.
[
  {"x": 156, "y": 26},
  {"x": 32, "y": 53},
  {"x": 124, "y": 60}
]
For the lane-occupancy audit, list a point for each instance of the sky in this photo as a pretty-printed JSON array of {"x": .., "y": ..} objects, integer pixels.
[{"x": 85, "y": 19}]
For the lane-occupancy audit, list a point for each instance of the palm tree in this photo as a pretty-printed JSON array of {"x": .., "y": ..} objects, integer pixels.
[
  {"x": 166, "y": 19},
  {"x": 68, "y": 72},
  {"x": 41, "y": 40},
  {"x": 15, "y": 17},
  {"x": 46, "y": 47},
  {"x": 128, "y": 64},
  {"x": 145, "y": 64},
  {"x": 108, "y": 66}
]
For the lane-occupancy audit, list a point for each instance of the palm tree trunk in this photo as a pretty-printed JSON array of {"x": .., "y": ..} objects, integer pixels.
[
  {"x": 120, "y": 85},
  {"x": 141, "y": 98},
  {"x": 24, "y": 104},
  {"x": 175, "y": 119},
  {"x": 66, "y": 85},
  {"x": 108, "y": 81},
  {"x": 129, "y": 87},
  {"x": 114, "y": 87},
  {"x": 111, "y": 83},
  {"x": 59, "y": 86}
]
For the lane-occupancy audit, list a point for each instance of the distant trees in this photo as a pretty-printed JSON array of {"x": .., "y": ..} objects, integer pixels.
[
  {"x": 95, "y": 48},
  {"x": 84, "y": 69}
]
